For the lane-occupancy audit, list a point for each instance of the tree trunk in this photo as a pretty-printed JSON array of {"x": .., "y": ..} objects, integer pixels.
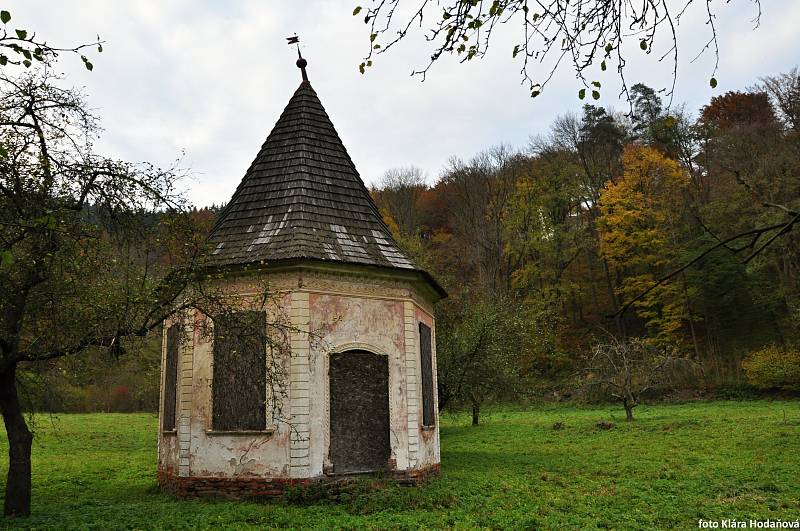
[
  {"x": 18, "y": 483},
  {"x": 690, "y": 316},
  {"x": 476, "y": 411},
  {"x": 615, "y": 303},
  {"x": 628, "y": 411},
  {"x": 444, "y": 395}
]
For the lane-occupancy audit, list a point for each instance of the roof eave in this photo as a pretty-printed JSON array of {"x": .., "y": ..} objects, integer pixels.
[{"x": 434, "y": 291}]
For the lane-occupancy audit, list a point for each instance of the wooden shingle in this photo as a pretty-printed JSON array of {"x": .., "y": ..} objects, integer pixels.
[{"x": 302, "y": 198}]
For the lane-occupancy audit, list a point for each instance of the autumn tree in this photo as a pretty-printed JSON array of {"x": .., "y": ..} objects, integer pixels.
[
  {"x": 735, "y": 109},
  {"x": 747, "y": 161},
  {"x": 596, "y": 140},
  {"x": 641, "y": 224},
  {"x": 750, "y": 162},
  {"x": 544, "y": 231},
  {"x": 669, "y": 227},
  {"x": 740, "y": 133}
]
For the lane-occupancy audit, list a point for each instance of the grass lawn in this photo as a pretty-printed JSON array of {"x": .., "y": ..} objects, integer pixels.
[{"x": 674, "y": 465}]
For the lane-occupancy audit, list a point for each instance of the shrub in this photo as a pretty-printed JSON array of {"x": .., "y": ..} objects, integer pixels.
[
  {"x": 773, "y": 368},
  {"x": 120, "y": 399}
]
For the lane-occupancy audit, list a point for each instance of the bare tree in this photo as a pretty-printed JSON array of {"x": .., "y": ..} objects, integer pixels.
[
  {"x": 784, "y": 90},
  {"x": 72, "y": 274},
  {"x": 626, "y": 369},
  {"x": 478, "y": 192},
  {"x": 399, "y": 193}
]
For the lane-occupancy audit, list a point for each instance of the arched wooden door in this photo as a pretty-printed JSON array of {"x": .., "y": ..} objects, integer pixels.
[{"x": 359, "y": 412}]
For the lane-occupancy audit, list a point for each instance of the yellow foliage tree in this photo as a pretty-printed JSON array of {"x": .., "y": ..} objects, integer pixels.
[
  {"x": 542, "y": 227},
  {"x": 390, "y": 222},
  {"x": 641, "y": 223}
]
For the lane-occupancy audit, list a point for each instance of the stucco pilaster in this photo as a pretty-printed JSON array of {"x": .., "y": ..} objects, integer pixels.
[
  {"x": 185, "y": 396},
  {"x": 412, "y": 380},
  {"x": 299, "y": 383}
]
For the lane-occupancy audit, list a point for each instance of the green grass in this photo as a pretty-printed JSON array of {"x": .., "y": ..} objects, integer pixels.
[{"x": 674, "y": 465}]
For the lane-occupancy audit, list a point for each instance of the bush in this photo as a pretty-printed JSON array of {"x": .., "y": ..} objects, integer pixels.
[
  {"x": 120, "y": 400},
  {"x": 773, "y": 368}
]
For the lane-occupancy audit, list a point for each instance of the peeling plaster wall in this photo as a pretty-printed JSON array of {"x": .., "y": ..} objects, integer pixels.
[
  {"x": 168, "y": 452},
  {"x": 349, "y": 312},
  {"x": 217, "y": 454},
  {"x": 357, "y": 322},
  {"x": 195, "y": 450}
]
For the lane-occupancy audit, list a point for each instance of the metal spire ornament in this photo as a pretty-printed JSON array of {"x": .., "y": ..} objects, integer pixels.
[{"x": 301, "y": 63}]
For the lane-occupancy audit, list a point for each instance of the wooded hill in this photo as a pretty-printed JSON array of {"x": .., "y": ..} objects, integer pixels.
[{"x": 548, "y": 249}]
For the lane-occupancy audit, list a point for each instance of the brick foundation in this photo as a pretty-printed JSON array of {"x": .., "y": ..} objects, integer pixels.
[
  {"x": 254, "y": 487},
  {"x": 233, "y": 488},
  {"x": 419, "y": 475}
]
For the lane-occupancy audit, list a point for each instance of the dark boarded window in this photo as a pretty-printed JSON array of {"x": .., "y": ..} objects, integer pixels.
[
  {"x": 426, "y": 360},
  {"x": 239, "y": 387},
  {"x": 170, "y": 378}
]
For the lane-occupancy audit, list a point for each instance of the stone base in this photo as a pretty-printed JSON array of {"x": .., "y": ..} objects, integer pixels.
[{"x": 255, "y": 487}]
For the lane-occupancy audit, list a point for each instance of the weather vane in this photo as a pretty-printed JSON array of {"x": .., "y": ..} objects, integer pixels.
[{"x": 301, "y": 63}]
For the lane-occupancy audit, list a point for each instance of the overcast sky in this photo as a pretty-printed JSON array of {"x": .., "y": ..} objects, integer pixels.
[{"x": 211, "y": 78}]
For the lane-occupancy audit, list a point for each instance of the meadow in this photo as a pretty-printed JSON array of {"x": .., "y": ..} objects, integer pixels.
[{"x": 674, "y": 465}]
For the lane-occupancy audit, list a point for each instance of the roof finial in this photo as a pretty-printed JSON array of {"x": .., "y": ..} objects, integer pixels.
[{"x": 301, "y": 63}]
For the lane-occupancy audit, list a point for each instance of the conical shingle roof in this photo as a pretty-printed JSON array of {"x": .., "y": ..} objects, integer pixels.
[{"x": 302, "y": 198}]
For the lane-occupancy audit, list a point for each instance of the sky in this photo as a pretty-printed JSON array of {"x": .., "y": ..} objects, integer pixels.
[{"x": 205, "y": 81}]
